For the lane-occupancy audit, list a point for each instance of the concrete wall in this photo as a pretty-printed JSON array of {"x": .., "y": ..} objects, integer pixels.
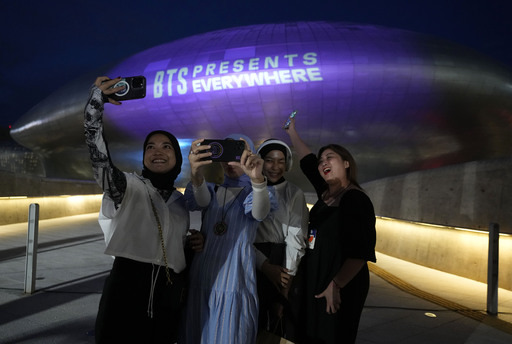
[
  {"x": 15, "y": 210},
  {"x": 56, "y": 198},
  {"x": 16, "y": 184},
  {"x": 459, "y": 252},
  {"x": 471, "y": 195}
]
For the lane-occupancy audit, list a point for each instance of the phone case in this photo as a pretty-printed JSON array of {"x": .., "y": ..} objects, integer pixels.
[
  {"x": 135, "y": 88},
  {"x": 288, "y": 121},
  {"x": 225, "y": 150}
]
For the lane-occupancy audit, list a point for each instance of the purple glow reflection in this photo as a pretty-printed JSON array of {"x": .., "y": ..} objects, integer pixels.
[{"x": 249, "y": 79}]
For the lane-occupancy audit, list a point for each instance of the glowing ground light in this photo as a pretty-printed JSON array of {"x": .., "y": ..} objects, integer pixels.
[{"x": 430, "y": 315}]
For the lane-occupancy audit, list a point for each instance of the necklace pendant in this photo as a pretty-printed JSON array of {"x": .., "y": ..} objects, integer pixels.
[{"x": 220, "y": 228}]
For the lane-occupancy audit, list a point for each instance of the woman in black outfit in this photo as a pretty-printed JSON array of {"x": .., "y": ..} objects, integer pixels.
[{"x": 341, "y": 239}]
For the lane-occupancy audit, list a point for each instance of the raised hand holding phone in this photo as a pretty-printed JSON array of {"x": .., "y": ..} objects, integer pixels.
[
  {"x": 134, "y": 87},
  {"x": 224, "y": 150},
  {"x": 289, "y": 120}
]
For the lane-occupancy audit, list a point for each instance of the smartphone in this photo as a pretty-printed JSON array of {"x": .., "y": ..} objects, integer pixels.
[
  {"x": 224, "y": 150},
  {"x": 134, "y": 88},
  {"x": 288, "y": 121}
]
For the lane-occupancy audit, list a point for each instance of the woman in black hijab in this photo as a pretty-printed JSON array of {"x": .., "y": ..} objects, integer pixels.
[{"x": 145, "y": 225}]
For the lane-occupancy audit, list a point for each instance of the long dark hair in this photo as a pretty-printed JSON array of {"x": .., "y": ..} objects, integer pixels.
[{"x": 345, "y": 155}]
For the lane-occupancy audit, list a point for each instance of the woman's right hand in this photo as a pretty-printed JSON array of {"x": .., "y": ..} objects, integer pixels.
[
  {"x": 104, "y": 83},
  {"x": 332, "y": 298},
  {"x": 195, "y": 159}
]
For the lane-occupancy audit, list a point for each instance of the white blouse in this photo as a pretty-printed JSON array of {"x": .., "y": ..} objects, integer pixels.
[
  {"x": 131, "y": 231},
  {"x": 287, "y": 224}
]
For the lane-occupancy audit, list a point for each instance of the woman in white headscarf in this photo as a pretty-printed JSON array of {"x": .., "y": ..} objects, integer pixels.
[{"x": 281, "y": 244}]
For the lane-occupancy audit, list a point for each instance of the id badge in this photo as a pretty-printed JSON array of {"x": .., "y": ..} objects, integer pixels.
[{"x": 311, "y": 239}]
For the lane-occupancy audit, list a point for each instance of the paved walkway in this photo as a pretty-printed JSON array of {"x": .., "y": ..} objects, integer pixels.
[{"x": 407, "y": 303}]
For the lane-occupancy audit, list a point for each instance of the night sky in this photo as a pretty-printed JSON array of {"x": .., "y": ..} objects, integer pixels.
[{"x": 45, "y": 44}]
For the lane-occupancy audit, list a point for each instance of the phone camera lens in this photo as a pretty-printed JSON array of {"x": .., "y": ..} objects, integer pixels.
[
  {"x": 216, "y": 149},
  {"x": 138, "y": 82}
]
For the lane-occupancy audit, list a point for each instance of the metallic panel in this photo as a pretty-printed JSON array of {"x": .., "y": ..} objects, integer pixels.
[{"x": 399, "y": 100}]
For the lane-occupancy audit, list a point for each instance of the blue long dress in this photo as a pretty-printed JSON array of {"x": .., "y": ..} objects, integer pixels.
[{"x": 222, "y": 303}]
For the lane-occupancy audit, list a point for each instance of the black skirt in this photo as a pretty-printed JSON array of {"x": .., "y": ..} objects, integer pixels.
[{"x": 127, "y": 312}]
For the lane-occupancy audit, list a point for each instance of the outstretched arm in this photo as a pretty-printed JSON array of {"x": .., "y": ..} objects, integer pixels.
[
  {"x": 109, "y": 178},
  {"x": 300, "y": 146}
]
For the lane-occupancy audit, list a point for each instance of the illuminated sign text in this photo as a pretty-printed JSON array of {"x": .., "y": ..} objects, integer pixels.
[{"x": 270, "y": 70}]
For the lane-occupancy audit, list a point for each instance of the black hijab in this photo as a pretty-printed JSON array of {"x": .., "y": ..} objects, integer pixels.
[{"x": 163, "y": 181}]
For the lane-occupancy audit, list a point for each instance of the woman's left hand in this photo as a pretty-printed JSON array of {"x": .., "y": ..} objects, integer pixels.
[
  {"x": 332, "y": 298},
  {"x": 196, "y": 240},
  {"x": 251, "y": 163},
  {"x": 278, "y": 276}
]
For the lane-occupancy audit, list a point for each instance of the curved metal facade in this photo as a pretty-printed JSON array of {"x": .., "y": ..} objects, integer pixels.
[{"x": 399, "y": 100}]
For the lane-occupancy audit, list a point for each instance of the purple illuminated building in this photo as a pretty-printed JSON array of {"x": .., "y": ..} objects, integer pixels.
[{"x": 400, "y": 101}]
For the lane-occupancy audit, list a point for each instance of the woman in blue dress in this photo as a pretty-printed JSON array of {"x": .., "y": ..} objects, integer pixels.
[{"x": 222, "y": 305}]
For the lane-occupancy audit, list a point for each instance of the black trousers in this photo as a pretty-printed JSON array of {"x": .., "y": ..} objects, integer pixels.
[
  {"x": 123, "y": 311},
  {"x": 290, "y": 326}
]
